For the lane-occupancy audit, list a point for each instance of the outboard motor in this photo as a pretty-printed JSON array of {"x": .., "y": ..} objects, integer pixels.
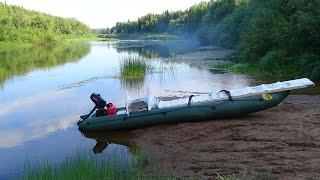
[
  {"x": 98, "y": 100},
  {"x": 100, "y": 104}
]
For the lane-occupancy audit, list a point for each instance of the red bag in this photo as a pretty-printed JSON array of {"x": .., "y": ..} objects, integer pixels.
[{"x": 111, "y": 109}]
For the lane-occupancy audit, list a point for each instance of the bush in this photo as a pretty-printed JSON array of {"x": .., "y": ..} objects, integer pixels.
[
  {"x": 316, "y": 73},
  {"x": 274, "y": 60},
  {"x": 309, "y": 65}
]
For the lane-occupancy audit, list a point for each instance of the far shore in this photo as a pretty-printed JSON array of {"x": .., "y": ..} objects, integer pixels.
[{"x": 6, "y": 46}]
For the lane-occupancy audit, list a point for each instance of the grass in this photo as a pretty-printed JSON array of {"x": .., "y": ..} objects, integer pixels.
[
  {"x": 223, "y": 65},
  {"x": 133, "y": 68},
  {"x": 83, "y": 166},
  {"x": 13, "y": 46},
  {"x": 240, "y": 68},
  {"x": 258, "y": 70}
]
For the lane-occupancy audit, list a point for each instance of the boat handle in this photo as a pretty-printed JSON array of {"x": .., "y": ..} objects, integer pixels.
[
  {"x": 228, "y": 94},
  {"x": 190, "y": 98}
]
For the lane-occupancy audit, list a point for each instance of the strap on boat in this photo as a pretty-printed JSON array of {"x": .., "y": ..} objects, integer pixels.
[
  {"x": 121, "y": 109},
  {"x": 190, "y": 98},
  {"x": 228, "y": 94}
]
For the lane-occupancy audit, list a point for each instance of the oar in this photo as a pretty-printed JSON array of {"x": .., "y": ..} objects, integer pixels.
[{"x": 84, "y": 117}]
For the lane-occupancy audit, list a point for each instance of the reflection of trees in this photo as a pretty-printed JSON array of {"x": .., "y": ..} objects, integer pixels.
[
  {"x": 156, "y": 49},
  {"x": 22, "y": 61},
  {"x": 149, "y": 51}
]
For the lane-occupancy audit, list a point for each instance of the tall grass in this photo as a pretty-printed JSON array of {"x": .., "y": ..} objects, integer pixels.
[
  {"x": 259, "y": 70},
  {"x": 133, "y": 67},
  {"x": 85, "y": 166}
]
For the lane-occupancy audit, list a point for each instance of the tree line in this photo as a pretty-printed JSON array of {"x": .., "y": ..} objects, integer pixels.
[
  {"x": 275, "y": 34},
  {"x": 20, "y": 25}
]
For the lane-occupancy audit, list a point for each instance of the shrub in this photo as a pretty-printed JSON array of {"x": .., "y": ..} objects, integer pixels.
[{"x": 274, "y": 60}]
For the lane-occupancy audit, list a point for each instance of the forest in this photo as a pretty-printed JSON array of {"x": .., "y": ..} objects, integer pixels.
[
  {"x": 20, "y": 25},
  {"x": 278, "y": 36}
]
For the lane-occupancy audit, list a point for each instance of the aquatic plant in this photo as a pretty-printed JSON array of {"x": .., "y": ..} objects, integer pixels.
[{"x": 133, "y": 67}]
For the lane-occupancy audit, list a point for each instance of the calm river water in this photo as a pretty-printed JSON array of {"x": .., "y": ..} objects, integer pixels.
[{"x": 44, "y": 90}]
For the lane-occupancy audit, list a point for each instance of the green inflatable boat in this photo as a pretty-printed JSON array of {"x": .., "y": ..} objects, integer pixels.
[{"x": 150, "y": 111}]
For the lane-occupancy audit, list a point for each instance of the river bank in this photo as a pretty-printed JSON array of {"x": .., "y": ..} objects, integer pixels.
[
  {"x": 9, "y": 46},
  {"x": 281, "y": 143},
  {"x": 217, "y": 60}
]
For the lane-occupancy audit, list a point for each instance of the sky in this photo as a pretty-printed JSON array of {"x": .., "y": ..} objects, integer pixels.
[{"x": 103, "y": 13}]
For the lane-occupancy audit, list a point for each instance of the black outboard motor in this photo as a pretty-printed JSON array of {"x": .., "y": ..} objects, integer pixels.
[
  {"x": 100, "y": 104},
  {"x": 98, "y": 101}
]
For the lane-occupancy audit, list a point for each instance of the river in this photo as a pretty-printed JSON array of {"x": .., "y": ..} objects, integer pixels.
[{"x": 44, "y": 90}]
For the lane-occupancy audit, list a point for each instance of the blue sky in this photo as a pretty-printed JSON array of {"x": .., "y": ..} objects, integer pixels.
[{"x": 103, "y": 13}]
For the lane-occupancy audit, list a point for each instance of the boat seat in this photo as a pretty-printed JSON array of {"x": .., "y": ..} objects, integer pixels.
[
  {"x": 138, "y": 106},
  {"x": 147, "y": 102}
]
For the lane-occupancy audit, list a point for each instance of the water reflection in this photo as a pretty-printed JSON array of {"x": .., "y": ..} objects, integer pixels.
[
  {"x": 156, "y": 49},
  {"x": 15, "y": 131},
  {"x": 104, "y": 139},
  {"x": 133, "y": 84},
  {"x": 22, "y": 61}
]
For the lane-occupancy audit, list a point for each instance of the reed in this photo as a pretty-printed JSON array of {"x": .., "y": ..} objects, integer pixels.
[{"x": 133, "y": 67}]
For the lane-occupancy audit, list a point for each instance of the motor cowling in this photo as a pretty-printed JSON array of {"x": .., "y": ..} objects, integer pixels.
[{"x": 98, "y": 100}]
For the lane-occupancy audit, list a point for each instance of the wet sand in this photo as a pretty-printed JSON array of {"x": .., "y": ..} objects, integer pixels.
[{"x": 281, "y": 143}]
